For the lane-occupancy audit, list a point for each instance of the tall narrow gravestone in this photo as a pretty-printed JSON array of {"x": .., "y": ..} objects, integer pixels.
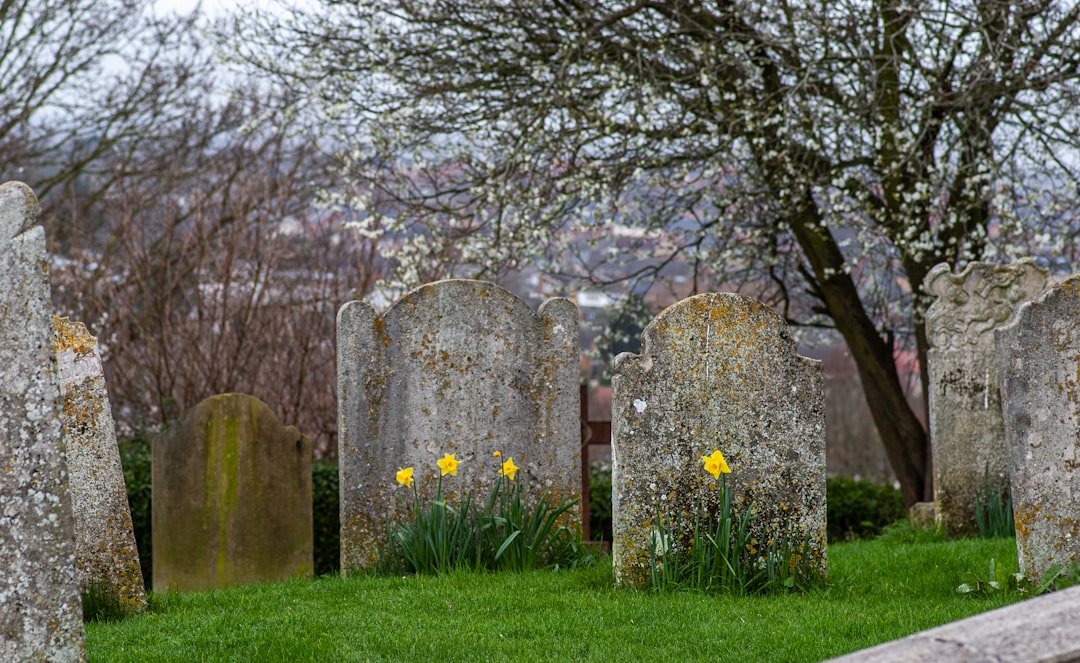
[
  {"x": 718, "y": 371},
  {"x": 105, "y": 549},
  {"x": 966, "y": 427},
  {"x": 1038, "y": 362},
  {"x": 455, "y": 367},
  {"x": 231, "y": 498},
  {"x": 40, "y": 609}
]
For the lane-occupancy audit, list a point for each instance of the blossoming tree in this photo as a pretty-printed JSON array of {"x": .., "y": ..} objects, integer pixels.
[{"x": 822, "y": 155}]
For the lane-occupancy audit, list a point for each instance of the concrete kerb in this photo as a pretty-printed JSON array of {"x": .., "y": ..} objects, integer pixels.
[{"x": 1038, "y": 630}]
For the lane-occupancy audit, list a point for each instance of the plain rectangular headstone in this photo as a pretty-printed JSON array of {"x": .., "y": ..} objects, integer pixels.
[
  {"x": 231, "y": 498},
  {"x": 717, "y": 371},
  {"x": 966, "y": 427},
  {"x": 40, "y": 606},
  {"x": 1038, "y": 362},
  {"x": 105, "y": 550},
  {"x": 457, "y": 367}
]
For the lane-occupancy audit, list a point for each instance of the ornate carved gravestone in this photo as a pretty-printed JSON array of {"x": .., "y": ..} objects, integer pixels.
[
  {"x": 231, "y": 498},
  {"x": 717, "y": 372},
  {"x": 1038, "y": 362},
  {"x": 105, "y": 549},
  {"x": 40, "y": 610},
  {"x": 965, "y": 405},
  {"x": 460, "y": 367}
]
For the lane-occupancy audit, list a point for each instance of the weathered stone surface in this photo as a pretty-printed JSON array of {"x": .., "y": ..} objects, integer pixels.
[
  {"x": 1038, "y": 362},
  {"x": 231, "y": 498},
  {"x": 966, "y": 427},
  {"x": 923, "y": 515},
  {"x": 717, "y": 371},
  {"x": 460, "y": 367},
  {"x": 40, "y": 609},
  {"x": 105, "y": 550},
  {"x": 1039, "y": 630}
]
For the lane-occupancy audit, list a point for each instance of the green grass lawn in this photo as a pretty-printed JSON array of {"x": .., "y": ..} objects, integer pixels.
[{"x": 878, "y": 590}]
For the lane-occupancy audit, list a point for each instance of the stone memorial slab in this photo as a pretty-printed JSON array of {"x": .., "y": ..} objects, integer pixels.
[
  {"x": 40, "y": 607},
  {"x": 718, "y": 371},
  {"x": 456, "y": 367},
  {"x": 1038, "y": 630},
  {"x": 231, "y": 498},
  {"x": 966, "y": 428},
  {"x": 1038, "y": 363},
  {"x": 105, "y": 550}
]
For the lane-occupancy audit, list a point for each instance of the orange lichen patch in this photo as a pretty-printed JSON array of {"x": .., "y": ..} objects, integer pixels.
[
  {"x": 1024, "y": 516},
  {"x": 68, "y": 335},
  {"x": 81, "y": 409}
]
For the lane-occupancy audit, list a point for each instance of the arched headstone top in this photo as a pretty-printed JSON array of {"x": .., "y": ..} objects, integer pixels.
[
  {"x": 969, "y": 305},
  {"x": 18, "y": 209},
  {"x": 735, "y": 326},
  {"x": 451, "y": 292}
]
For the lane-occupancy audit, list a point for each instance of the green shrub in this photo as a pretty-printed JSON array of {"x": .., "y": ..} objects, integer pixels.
[
  {"x": 860, "y": 509},
  {"x": 600, "y": 501},
  {"x": 135, "y": 458},
  {"x": 326, "y": 518}
]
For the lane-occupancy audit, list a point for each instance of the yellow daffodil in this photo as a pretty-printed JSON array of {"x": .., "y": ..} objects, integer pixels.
[
  {"x": 404, "y": 476},
  {"x": 715, "y": 464},
  {"x": 509, "y": 469},
  {"x": 497, "y": 454},
  {"x": 448, "y": 464}
]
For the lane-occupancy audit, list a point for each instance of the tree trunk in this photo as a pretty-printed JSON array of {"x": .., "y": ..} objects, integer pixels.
[{"x": 903, "y": 436}]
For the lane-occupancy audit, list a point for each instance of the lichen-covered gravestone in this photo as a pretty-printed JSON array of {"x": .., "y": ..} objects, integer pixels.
[
  {"x": 40, "y": 609},
  {"x": 105, "y": 550},
  {"x": 965, "y": 405},
  {"x": 231, "y": 498},
  {"x": 1038, "y": 362},
  {"x": 718, "y": 371},
  {"x": 460, "y": 367}
]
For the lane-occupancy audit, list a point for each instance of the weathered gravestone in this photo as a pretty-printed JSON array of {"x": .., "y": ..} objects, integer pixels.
[
  {"x": 718, "y": 371},
  {"x": 105, "y": 550},
  {"x": 40, "y": 609},
  {"x": 966, "y": 427},
  {"x": 231, "y": 498},
  {"x": 460, "y": 367},
  {"x": 1038, "y": 362}
]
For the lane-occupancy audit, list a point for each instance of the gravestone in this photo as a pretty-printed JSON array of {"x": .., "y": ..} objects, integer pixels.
[
  {"x": 718, "y": 371},
  {"x": 1038, "y": 363},
  {"x": 40, "y": 607},
  {"x": 231, "y": 498},
  {"x": 105, "y": 550},
  {"x": 966, "y": 427},
  {"x": 456, "y": 367}
]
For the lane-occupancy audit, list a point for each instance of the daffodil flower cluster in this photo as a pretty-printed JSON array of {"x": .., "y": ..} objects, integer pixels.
[
  {"x": 504, "y": 532},
  {"x": 448, "y": 464}
]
